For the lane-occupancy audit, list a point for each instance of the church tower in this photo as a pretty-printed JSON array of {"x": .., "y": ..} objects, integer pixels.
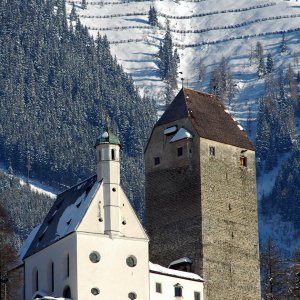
[
  {"x": 201, "y": 196},
  {"x": 108, "y": 170}
]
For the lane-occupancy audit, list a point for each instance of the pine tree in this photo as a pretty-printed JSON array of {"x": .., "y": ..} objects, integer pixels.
[
  {"x": 7, "y": 255},
  {"x": 273, "y": 272},
  {"x": 294, "y": 275},
  {"x": 259, "y": 55},
  {"x": 283, "y": 45},
  {"x": 83, "y": 4},
  {"x": 152, "y": 18},
  {"x": 221, "y": 82},
  {"x": 270, "y": 64},
  {"x": 293, "y": 87},
  {"x": 168, "y": 60},
  {"x": 201, "y": 69},
  {"x": 73, "y": 14}
]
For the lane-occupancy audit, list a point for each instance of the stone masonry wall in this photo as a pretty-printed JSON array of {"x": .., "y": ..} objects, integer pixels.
[
  {"x": 173, "y": 211},
  {"x": 205, "y": 208},
  {"x": 229, "y": 223}
]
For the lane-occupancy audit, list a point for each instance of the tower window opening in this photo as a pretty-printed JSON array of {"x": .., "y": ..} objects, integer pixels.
[
  {"x": 212, "y": 151},
  {"x": 156, "y": 161},
  {"x": 179, "y": 151},
  {"x": 243, "y": 161},
  {"x": 113, "y": 154},
  {"x": 99, "y": 155}
]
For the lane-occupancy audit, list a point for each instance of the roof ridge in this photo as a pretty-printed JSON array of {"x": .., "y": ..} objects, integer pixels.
[{"x": 75, "y": 185}]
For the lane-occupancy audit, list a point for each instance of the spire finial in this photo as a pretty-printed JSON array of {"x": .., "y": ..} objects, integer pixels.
[{"x": 107, "y": 121}]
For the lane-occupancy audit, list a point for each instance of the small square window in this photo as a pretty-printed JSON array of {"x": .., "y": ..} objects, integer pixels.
[
  {"x": 197, "y": 296},
  {"x": 179, "y": 151},
  {"x": 243, "y": 161},
  {"x": 158, "y": 288},
  {"x": 156, "y": 161},
  {"x": 212, "y": 151}
]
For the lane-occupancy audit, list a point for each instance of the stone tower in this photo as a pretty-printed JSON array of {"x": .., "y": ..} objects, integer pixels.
[{"x": 201, "y": 195}]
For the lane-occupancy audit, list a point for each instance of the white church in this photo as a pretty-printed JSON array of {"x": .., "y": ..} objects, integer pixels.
[{"x": 91, "y": 245}]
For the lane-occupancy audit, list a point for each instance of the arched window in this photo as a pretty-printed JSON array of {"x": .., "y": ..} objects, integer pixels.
[
  {"x": 67, "y": 292},
  {"x": 35, "y": 280},
  {"x": 68, "y": 265},
  {"x": 52, "y": 277},
  {"x": 178, "y": 290},
  {"x": 113, "y": 154}
]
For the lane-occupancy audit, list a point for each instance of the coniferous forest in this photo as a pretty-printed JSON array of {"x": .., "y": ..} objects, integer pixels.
[{"x": 58, "y": 85}]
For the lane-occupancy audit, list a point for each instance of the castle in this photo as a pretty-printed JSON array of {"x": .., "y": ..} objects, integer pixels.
[
  {"x": 201, "y": 195},
  {"x": 201, "y": 218}
]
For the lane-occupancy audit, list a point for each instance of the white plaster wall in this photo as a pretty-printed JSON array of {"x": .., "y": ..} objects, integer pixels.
[
  {"x": 90, "y": 222},
  {"x": 57, "y": 253},
  {"x": 168, "y": 290},
  {"x": 112, "y": 275}
]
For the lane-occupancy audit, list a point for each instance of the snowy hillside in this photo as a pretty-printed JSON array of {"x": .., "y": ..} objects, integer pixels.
[
  {"x": 200, "y": 29},
  {"x": 208, "y": 30}
]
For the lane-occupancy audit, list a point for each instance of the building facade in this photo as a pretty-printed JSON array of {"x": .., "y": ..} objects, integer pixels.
[
  {"x": 91, "y": 244},
  {"x": 201, "y": 196}
]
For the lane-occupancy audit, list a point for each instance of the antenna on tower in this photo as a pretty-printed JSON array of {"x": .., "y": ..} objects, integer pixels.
[
  {"x": 182, "y": 79},
  {"x": 107, "y": 121}
]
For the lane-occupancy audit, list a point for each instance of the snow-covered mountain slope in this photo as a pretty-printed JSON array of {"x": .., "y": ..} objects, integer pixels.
[
  {"x": 207, "y": 29},
  {"x": 34, "y": 185}
]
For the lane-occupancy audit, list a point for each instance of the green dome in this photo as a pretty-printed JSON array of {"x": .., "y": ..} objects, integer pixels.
[{"x": 107, "y": 138}]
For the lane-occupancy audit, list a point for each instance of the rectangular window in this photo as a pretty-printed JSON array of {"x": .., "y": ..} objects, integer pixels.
[
  {"x": 68, "y": 265},
  {"x": 197, "y": 296},
  {"x": 156, "y": 161},
  {"x": 178, "y": 291},
  {"x": 179, "y": 151},
  {"x": 243, "y": 161},
  {"x": 52, "y": 277},
  {"x": 212, "y": 151},
  {"x": 158, "y": 287}
]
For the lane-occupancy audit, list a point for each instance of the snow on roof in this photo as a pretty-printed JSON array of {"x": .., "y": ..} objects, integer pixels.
[
  {"x": 181, "y": 134},
  {"x": 170, "y": 272},
  {"x": 51, "y": 298},
  {"x": 40, "y": 295},
  {"x": 65, "y": 215},
  {"x": 170, "y": 130},
  {"x": 28, "y": 242},
  {"x": 180, "y": 261}
]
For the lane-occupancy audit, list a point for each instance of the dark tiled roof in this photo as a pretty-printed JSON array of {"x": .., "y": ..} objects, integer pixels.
[
  {"x": 208, "y": 116},
  {"x": 65, "y": 215}
]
